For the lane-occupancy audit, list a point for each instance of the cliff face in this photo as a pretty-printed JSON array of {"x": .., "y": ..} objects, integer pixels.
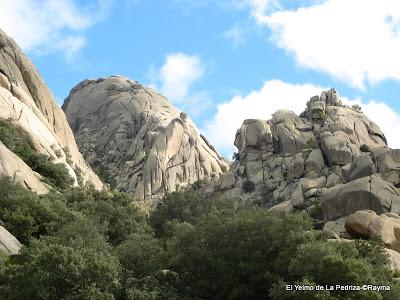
[
  {"x": 26, "y": 100},
  {"x": 136, "y": 137},
  {"x": 331, "y": 155}
]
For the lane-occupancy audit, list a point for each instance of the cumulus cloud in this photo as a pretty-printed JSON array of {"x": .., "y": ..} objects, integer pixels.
[
  {"x": 175, "y": 80},
  {"x": 261, "y": 8},
  {"x": 178, "y": 74},
  {"x": 50, "y": 25},
  {"x": 356, "y": 41},
  {"x": 276, "y": 94},
  {"x": 260, "y": 104}
]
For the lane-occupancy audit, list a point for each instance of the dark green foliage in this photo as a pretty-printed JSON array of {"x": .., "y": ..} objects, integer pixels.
[
  {"x": 236, "y": 256},
  {"x": 198, "y": 184},
  {"x": 105, "y": 176},
  {"x": 187, "y": 206},
  {"x": 236, "y": 156},
  {"x": 52, "y": 271},
  {"x": 86, "y": 244},
  {"x": 114, "y": 212},
  {"x": 27, "y": 215},
  {"x": 16, "y": 140},
  {"x": 248, "y": 186}
]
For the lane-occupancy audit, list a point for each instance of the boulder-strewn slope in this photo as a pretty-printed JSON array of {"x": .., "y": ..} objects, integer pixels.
[
  {"x": 331, "y": 159},
  {"x": 135, "y": 135},
  {"x": 26, "y": 100}
]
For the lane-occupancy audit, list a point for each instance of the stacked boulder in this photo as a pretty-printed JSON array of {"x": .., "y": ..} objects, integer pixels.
[{"x": 330, "y": 158}]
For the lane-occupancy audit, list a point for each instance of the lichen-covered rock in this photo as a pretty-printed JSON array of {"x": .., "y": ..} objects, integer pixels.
[
  {"x": 25, "y": 99},
  {"x": 136, "y": 135}
]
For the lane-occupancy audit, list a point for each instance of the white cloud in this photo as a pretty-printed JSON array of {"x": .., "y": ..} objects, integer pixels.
[
  {"x": 357, "y": 41},
  {"x": 274, "y": 95},
  {"x": 261, "y": 104},
  {"x": 50, "y": 25},
  {"x": 261, "y": 8},
  {"x": 178, "y": 74}
]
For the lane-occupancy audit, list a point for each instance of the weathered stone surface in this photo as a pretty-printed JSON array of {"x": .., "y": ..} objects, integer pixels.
[
  {"x": 367, "y": 193},
  {"x": 314, "y": 163},
  {"x": 12, "y": 166},
  {"x": 362, "y": 166},
  {"x": 359, "y": 222},
  {"x": 337, "y": 226},
  {"x": 388, "y": 164},
  {"x": 25, "y": 98},
  {"x": 9, "y": 245},
  {"x": 329, "y": 143},
  {"x": 367, "y": 224},
  {"x": 227, "y": 181},
  {"x": 135, "y": 134},
  {"x": 394, "y": 260},
  {"x": 283, "y": 208},
  {"x": 254, "y": 133}
]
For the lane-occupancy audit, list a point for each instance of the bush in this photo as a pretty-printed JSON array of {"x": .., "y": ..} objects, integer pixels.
[
  {"x": 86, "y": 244},
  {"x": 187, "y": 206},
  {"x": 114, "y": 211},
  {"x": 248, "y": 186},
  {"x": 236, "y": 156},
  {"x": 198, "y": 184},
  {"x": 27, "y": 215},
  {"x": 51, "y": 271},
  {"x": 17, "y": 141}
]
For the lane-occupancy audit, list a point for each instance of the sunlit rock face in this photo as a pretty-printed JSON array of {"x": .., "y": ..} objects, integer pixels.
[
  {"x": 134, "y": 134},
  {"x": 330, "y": 157},
  {"x": 29, "y": 104}
]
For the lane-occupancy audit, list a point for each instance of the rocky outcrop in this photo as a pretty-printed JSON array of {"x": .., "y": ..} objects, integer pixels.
[
  {"x": 329, "y": 161},
  {"x": 135, "y": 134},
  {"x": 9, "y": 245},
  {"x": 371, "y": 192},
  {"x": 12, "y": 166},
  {"x": 26, "y": 100},
  {"x": 367, "y": 223}
]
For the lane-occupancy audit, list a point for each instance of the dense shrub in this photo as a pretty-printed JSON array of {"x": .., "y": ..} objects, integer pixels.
[
  {"x": 27, "y": 215},
  {"x": 16, "y": 140},
  {"x": 248, "y": 186},
  {"x": 187, "y": 206},
  {"x": 86, "y": 244}
]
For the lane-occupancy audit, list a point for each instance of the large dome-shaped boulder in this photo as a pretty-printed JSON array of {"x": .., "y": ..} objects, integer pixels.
[{"x": 130, "y": 131}]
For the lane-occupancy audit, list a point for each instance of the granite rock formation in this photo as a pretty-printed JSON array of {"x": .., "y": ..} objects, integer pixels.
[
  {"x": 330, "y": 160},
  {"x": 136, "y": 136},
  {"x": 26, "y": 100}
]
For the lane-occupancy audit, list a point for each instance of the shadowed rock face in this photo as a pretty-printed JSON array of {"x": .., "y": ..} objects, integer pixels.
[
  {"x": 330, "y": 156},
  {"x": 134, "y": 134},
  {"x": 26, "y": 100}
]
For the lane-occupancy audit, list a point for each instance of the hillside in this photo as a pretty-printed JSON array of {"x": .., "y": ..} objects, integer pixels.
[{"x": 27, "y": 103}]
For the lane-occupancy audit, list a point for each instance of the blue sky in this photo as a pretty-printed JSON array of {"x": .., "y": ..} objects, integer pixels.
[{"x": 221, "y": 61}]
